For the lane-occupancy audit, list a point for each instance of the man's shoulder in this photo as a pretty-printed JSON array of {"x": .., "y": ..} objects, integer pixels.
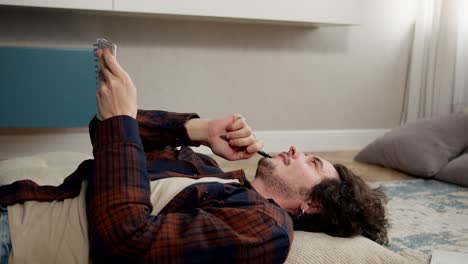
[
  {"x": 267, "y": 217},
  {"x": 268, "y": 209}
]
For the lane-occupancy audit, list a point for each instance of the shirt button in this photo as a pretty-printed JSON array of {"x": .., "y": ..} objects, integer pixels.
[{"x": 204, "y": 196}]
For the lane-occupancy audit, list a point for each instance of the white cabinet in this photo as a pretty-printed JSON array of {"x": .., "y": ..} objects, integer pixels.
[
  {"x": 302, "y": 12},
  {"x": 268, "y": 11},
  {"x": 69, "y": 4}
]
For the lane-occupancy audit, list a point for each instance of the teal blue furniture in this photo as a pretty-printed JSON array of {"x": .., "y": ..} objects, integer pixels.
[{"x": 46, "y": 87}]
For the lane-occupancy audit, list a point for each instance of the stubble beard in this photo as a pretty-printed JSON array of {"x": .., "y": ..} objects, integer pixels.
[{"x": 275, "y": 184}]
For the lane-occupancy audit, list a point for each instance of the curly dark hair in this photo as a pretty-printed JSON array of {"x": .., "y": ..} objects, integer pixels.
[{"x": 349, "y": 207}]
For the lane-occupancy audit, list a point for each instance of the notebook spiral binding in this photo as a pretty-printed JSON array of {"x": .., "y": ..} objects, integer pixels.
[
  {"x": 102, "y": 43},
  {"x": 97, "y": 67}
]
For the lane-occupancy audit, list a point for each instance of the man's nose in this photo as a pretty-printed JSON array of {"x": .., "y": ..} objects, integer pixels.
[{"x": 292, "y": 152}]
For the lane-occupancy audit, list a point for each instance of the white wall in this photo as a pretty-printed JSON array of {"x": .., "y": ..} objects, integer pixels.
[{"x": 279, "y": 77}]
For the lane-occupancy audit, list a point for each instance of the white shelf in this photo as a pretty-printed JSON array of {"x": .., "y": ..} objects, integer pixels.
[
  {"x": 343, "y": 12},
  {"x": 301, "y": 12},
  {"x": 68, "y": 4}
]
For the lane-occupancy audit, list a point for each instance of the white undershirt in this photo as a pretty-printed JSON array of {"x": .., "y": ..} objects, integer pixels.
[{"x": 57, "y": 232}]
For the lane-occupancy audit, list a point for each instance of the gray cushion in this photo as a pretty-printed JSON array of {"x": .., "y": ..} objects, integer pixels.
[
  {"x": 45, "y": 168},
  {"x": 317, "y": 248},
  {"x": 421, "y": 148},
  {"x": 456, "y": 171}
]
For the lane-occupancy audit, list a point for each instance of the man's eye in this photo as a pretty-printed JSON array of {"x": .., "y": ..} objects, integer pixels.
[{"x": 311, "y": 162}]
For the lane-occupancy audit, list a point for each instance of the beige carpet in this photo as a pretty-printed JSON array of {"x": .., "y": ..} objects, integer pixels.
[{"x": 368, "y": 172}]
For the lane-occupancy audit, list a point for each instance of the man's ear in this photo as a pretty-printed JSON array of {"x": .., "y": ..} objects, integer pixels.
[{"x": 311, "y": 207}]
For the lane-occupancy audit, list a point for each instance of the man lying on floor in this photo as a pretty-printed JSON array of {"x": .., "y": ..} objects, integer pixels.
[{"x": 143, "y": 200}]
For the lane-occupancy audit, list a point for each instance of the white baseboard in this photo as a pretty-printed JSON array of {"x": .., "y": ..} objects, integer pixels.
[
  {"x": 275, "y": 141},
  {"x": 315, "y": 140}
]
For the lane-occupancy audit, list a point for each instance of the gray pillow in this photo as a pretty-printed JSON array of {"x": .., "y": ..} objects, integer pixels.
[
  {"x": 456, "y": 171},
  {"x": 421, "y": 148}
]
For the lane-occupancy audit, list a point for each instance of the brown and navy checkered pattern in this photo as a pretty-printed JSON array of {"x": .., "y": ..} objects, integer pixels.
[{"x": 204, "y": 223}]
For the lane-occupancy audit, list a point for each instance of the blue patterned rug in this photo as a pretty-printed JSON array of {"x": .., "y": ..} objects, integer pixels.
[{"x": 425, "y": 215}]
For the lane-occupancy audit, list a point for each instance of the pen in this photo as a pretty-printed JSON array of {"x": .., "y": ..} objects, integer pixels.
[{"x": 264, "y": 154}]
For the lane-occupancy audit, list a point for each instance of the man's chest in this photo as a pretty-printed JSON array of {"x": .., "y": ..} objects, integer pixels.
[
  {"x": 186, "y": 193},
  {"x": 210, "y": 196}
]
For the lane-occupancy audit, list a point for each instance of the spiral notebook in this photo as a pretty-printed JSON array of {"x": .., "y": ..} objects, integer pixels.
[
  {"x": 48, "y": 87},
  {"x": 102, "y": 43}
]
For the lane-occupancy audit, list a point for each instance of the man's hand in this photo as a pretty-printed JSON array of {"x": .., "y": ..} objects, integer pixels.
[
  {"x": 117, "y": 94},
  {"x": 229, "y": 137}
]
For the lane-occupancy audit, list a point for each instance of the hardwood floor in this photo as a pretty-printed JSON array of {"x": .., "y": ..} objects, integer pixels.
[{"x": 368, "y": 172}]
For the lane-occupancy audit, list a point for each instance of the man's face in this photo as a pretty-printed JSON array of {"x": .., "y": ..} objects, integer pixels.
[{"x": 293, "y": 173}]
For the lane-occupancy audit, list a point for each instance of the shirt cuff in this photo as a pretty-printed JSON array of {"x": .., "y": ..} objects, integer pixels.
[{"x": 121, "y": 128}]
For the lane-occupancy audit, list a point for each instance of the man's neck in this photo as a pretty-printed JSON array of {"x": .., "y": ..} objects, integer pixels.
[
  {"x": 267, "y": 193},
  {"x": 264, "y": 191},
  {"x": 260, "y": 188}
]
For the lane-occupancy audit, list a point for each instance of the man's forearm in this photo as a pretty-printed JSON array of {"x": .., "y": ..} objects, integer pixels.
[
  {"x": 197, "y": 130},
  {"x": 158, "y": 129},
  {"x": 119, "y": 190}
]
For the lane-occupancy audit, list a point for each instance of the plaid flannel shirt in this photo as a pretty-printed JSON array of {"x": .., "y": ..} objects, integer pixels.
[{"x": 204, "y": 223}]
